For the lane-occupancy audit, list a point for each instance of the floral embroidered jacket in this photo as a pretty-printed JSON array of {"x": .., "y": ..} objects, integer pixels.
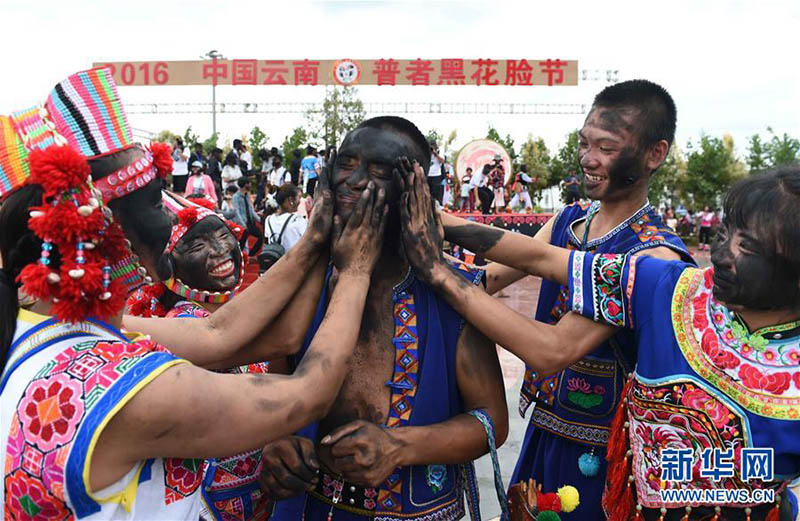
[
  {"x": 424, "y": 392},
  {"x": 702, "y": 381},
  {"x": 61, "y": 385},
  {"x": 578, "y": 403}
]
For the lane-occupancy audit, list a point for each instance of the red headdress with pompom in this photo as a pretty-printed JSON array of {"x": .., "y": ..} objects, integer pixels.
[{"x": 72, "y": 219}]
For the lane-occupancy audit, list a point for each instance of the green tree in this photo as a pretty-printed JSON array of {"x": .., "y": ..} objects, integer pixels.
[
  {"x": 298, "y": 139},
  {"x": 433, "y": 136},
  {"x": 783, "y": 150},
  {"x": 166, "y": 136},
  {"x": 535, "y": 155},
  {"x": 508, "y": 143},
  {"x": 665, "y": 180},
  {"x": 341, "y": 112},
  {"x": 210, "y": 143},
  {"x": 189, "y": 137},
  {"x": 565, "y": 161},
  {"x": 710, "y": 170},
  {"x": 256, "y": 140},
  {"x": 757, "y": 154}
]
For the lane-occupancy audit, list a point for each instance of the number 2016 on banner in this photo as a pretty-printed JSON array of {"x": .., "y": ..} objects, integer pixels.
[{"x": 149, "y": 73}]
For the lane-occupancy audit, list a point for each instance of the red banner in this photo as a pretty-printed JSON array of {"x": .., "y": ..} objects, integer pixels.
[{"x": 383, "y": 71}]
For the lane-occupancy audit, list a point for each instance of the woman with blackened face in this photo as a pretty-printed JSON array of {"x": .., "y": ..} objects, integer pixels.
[{"x": 208, "y": 257}]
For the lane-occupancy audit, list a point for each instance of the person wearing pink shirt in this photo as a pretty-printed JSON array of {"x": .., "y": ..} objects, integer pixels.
[{"x": 200, "y": 183}]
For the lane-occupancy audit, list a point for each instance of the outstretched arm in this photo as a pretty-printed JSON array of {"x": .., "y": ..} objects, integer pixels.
[
  {"x": 498, "y": 276},
  {"x": 242, "y": 331},
  {"x": 546, "y": 348},
  {"x": 528, "y": 255}
]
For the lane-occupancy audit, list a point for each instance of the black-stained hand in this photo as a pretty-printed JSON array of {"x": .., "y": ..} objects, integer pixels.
[
  {"x": 290, "y": 467},
  {"x": 422, "y": 229},
  {"x": 362, "y": 453},
  {"x": 321, "y": 218},
  {"x": 356, "y": 246}
]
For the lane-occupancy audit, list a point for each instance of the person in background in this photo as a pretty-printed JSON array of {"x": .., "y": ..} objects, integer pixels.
[
  {"x": 227, "y": 204},
  {"x": 294, "y": 166},
  {"x": 435, "y": 172},
  {"x": 279, "y": 175},
  {"x": 466, "y": 203},
  {"x": 266, "y": 161},
  {"x": 704, "y": 218},
  {"x": 243, "y": 155},
  {"x": 716, "y": 220},
  {"x": 231, "y": 171},
  {"x": 214, "y": 170},
  {"x": 447, "y": 188},
  {"x": 270, "y": 205},
  {"x": 285, "y": 226},
  {"x": 572, "y": 184},
  {"x": 480, "y": 191},
  {"x": 246, "y": 215},
  {"x": 306, "y": 203},
  {"x": 197, "y": 154},
  {"x": 497, "y": 178},
  {"x": 200, "y": 184},
  {"x": 310, "y": 169},
  {"x": 520, "y": 189},
  {"x": 180, "y": 166}
]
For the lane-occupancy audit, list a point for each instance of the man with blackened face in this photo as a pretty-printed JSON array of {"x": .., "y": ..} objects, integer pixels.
[
  {"x": 371, "y": 154},
  {"x": 419, "y": 386},
  {"x": 624, "y": 139}
]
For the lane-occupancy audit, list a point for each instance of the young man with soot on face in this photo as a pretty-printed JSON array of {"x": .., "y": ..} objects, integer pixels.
[
  {"x": 624, "y": 139},
  {"x": 423, "y": 386}
]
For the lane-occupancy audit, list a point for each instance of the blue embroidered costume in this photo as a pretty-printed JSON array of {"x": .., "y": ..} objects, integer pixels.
[
  {"x": 424, "y": 392},
  {"x": 230, "y": 485},
  {"x": 702, "y": 381},
  {"x": 569, "y": 428}
]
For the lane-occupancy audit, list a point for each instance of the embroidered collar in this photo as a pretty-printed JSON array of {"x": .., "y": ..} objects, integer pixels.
[
  {"x": 760, "y": 371},
  {"x": 404, "y": 284},
  {"x": 178, "y": 287},
  {"x": 776, "y": 332},
  {"x": 594, "y": 208}
]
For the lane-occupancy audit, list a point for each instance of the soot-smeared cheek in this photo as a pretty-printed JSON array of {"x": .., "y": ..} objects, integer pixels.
[
  {"x": 625, "y": 166},
  {"x": 191, "y": 265}
]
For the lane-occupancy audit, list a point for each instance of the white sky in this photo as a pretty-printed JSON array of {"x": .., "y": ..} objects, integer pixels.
[{"x": 732, "y": 66}]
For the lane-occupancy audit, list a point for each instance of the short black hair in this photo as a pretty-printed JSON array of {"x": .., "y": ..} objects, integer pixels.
[
  {"x": 297, "y": 152},
  {"x": 237, "y": 143},
  {"x": 309, "y": 150},
  {"x": 656, "y": 112},
  {"x": 754, "y": 202},
  {"x": 408, "y": 128},
  {"x": 243, "y": 181},
  {"x": 231, "y": 189},
  {"x": 285, "y": 192}
]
